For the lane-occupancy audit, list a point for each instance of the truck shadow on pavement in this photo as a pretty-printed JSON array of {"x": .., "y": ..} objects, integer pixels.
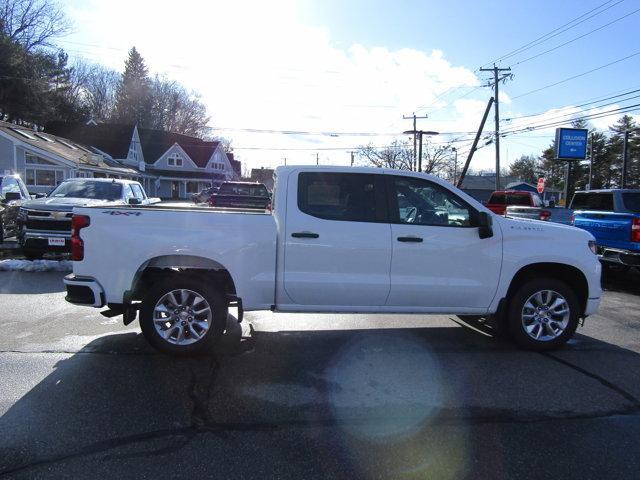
[
  {"x": 31, "y": 283},
  {"x": 619, "y": 281},
  {"x": 336, "y": 404}
]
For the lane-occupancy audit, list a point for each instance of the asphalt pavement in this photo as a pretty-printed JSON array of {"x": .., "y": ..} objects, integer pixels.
[{"x": 314, "y": 396}]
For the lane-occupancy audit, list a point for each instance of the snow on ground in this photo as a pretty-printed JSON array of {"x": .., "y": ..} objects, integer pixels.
[{"x": 36, "y": 265}]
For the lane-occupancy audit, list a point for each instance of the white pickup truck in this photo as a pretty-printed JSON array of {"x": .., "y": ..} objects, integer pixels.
[{"x": 338, "y": 240}]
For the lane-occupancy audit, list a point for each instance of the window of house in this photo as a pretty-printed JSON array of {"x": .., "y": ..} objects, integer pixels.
[
  {"x": 174, "y": 160},
  {"x": 43, "y": 177},
  {"x": 192, "y": 187},
  {"x": 31, "y": 159}
]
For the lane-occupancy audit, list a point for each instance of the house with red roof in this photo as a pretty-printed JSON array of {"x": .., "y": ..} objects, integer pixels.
[{"x": 169, "y": 165}]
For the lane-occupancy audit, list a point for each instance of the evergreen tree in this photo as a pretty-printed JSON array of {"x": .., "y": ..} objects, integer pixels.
[
  {"x": 525, "y": 168},
  {"x": 614, "y": 177},
  {"x": 133, "y": 97}
]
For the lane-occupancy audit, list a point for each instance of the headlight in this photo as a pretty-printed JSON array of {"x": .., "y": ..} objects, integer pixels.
[{"x": 593, "y": 247}]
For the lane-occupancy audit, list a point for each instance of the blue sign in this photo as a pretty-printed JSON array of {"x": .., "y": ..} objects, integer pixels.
[{"x": 571, "y": 143}]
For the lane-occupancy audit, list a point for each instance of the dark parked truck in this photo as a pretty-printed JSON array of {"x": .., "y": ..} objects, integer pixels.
[
  {"x": 613, "y": 218},
  {"x": 45, "y": 223},
  {"x": 241, "y": 195}
]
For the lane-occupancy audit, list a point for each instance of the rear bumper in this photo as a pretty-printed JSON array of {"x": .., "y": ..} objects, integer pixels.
[
  {"x": 618, "y": 256},
  {"x": 84, "y": 291}
]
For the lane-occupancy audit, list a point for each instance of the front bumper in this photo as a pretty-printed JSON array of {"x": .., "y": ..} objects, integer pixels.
[
  {"x": 620, "y": 257},
  {"x": 84, "y": 291}
]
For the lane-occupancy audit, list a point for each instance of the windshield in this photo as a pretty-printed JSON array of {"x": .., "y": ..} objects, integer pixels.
[
  {"x": 88, "y": 189},
  {"x": 240, "y": 189},
  {"x": 632, "y": 201}
]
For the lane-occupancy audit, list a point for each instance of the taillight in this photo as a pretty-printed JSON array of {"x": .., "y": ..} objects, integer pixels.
[
  {"x": 545, "y": 215},
  {"x": 269, "y": 207},
  {"x": 78, "y": 222},
  {"x": 635, "y": 230}
]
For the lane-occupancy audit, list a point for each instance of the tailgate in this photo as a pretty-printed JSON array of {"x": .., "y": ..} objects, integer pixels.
[{"x": 610, "y": 229}]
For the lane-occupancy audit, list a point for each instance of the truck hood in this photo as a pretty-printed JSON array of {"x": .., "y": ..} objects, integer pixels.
[
  {"x": 541, "y": 228},
  {"x": 65, "y": 204}
]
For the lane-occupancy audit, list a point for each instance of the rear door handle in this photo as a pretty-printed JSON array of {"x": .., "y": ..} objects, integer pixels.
[
  {"x": 304, "y": 235},
  {"x": 410, "y": 239}
]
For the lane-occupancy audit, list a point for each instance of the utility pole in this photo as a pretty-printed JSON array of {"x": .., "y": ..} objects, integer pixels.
[
  {"x": 475, "y": 143},
  {"x": 405, "y": 117},
  {"x": 590, "y": 164},
  {"x": 351, "y": 158},
  {"x": 496, "y": 81},
  {"x": 317, "y": 158}
]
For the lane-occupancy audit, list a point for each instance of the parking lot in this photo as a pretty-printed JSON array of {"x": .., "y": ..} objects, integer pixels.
[{"x": 314, "y": 396}]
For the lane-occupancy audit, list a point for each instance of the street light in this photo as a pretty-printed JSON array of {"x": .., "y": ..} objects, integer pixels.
[
  {"x": 625, "y": 147},
  {"x": 420, "y": 133}
]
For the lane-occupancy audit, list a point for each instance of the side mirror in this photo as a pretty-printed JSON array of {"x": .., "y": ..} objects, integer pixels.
[
  {"x": 10, "y": 196},
  {"x": 134, "y": 201},
  {"x": 484, "y": 222}
]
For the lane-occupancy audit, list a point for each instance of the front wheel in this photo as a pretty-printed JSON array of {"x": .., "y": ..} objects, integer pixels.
[
  {"x": 183, "y": 316},
  {"x": 543, "y": 314}
]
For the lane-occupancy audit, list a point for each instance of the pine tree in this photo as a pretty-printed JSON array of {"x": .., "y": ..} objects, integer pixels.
[
  {"x": 133, "y": 98},
  {"x": 626, "y": 122}
]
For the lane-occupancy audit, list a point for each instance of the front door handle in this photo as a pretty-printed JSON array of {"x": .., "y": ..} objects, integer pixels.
[
  {"x": 304, "y": 235},
  {"x": 410, "y": 239}
]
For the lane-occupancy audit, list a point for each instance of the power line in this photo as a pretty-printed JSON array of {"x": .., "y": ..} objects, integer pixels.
[
  {"x": 574, "y": 113},
  {"x": 577, "y": 106},
  {"x": 576, "y": 38},
  {"x": 559, "y": 30},
  {"x": 593, "y": 116},
  {"x": 578, "y": 75}
]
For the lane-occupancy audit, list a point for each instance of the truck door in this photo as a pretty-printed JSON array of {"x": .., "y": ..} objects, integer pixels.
[
  {"x": 338, "y": 241},
  {"x": 438, "y": 260}
]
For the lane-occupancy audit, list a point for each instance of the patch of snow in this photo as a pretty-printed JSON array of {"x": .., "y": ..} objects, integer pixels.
[{"x": 36, "y": 265}]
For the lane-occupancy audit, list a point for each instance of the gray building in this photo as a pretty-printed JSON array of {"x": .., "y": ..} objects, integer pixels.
[{"x": 43, "y": 160}]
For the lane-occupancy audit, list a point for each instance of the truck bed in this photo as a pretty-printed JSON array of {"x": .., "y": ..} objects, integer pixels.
[{"x": 240, "y": 241}]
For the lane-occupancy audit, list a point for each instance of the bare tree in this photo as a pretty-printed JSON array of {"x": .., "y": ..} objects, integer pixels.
[
  {"x": 437, "y": 160},
  {"x": 398, "y": 155},
  {"x": 177, "y": 110},
  {"x": 32, "y": 23},
  {"x": 100, "y": 87}
]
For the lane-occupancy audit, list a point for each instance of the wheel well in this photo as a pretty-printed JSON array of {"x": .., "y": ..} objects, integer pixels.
[
  {"x": 160, "y": 268},
  {"x": 568, "y": 274}
]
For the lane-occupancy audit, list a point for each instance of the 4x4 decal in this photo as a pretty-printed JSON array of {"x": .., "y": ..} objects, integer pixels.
[{"x": 119, "y": 212}]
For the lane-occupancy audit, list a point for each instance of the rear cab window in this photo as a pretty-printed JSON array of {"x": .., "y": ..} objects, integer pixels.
[
  {"x": 631, "y": 201},
  {"x": 601, "y": 201}
]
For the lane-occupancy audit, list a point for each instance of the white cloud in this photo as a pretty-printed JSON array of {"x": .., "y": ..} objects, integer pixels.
[{"x": 258, "y": 66}]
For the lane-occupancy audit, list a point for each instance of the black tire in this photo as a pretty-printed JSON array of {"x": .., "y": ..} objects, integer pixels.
[
  {"x": 515, "y": 323},
  {"x": 213, "y": 297},
  {"x": 33, "y": 254}
]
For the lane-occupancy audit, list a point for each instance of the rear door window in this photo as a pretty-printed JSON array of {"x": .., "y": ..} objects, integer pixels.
[
  {"x": 349, "y": 197},
  {"x": 593, "y": 201}
]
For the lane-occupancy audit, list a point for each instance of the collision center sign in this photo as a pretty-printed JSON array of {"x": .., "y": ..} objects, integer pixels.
[{"x": 571, "y": 143}]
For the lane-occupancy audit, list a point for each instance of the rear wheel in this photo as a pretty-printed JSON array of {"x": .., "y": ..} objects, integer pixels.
[
  {"x": 543, "y": 314},
  {"x": 183, "y": 316}
]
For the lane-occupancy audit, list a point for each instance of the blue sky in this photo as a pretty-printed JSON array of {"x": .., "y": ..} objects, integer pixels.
[{"x": 356, "y": 66}]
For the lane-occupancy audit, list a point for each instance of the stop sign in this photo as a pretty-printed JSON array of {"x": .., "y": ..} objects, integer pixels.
[{"x": 540, "y": 185}]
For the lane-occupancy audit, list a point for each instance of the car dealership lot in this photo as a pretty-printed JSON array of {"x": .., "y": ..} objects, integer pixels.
[{"x": 304, "y": 396}]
